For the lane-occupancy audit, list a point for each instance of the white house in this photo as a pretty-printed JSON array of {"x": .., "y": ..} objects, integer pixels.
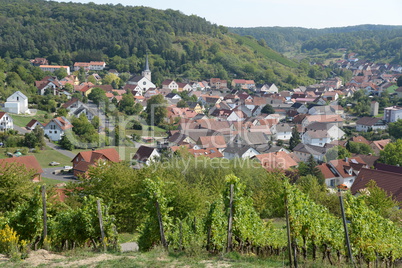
[
  {"x": 342, "y": 171},
  {"x": 316, "y": 137},
  {"x": 170, "y": 84},
  {"x": 142, "y": 82},
  {"x": 392, "y": 114},
  {"x": 239, "y": 151},
  {"x": 146, "y": 155},
  {"x": 269, "y": 88},
  {"x": 17, "y": 103},
  {"x": 6, "y": 122},
  {"x": 334, "y": 132},
  {"x": 304, "y": 151},
  {"x": 281, "y": 132},
  {"x": 370, "y": 123},
  {"x": 56, "y": 128},
  {"x": 53, "y": 68}
]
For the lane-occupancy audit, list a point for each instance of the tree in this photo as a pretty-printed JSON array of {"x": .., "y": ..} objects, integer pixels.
[
  {"x": 127, "y": 104},
  {"x": 66, "y": 143},
  {"x": 40, "y": 137},
  {"x": 379, "y": 200},
  {"x": 399, "y": 81},
  {"x": 60, "y": 73},
  {"x": 359, "y": 148},
  {"x": 392, "y": 153},
  {"x": 337, "y": 152},
  {"x": 395, "y": 129},
  {"x": 95, "y": 122},
  {"x": 268, "y": 109},
  {"x": 16, "y": 186},
  {"x": 294, "y": 139},
  {"x": 156, "y": 109},
  {"x": 84, "y": 130},
  {"x": 311, "y": 168},
  {"x": 182, "y": 104},
  {"x": 62, "y": 112},
  {"x": 97, "y": 95},
  {"x": 110, "y": 78}
]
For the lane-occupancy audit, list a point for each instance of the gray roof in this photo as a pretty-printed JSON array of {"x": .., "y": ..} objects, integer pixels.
[
  {"x": 319, "y": 126},
  {"x": 310, "y": 149},
  {"x": 283, "y": 128},
  {"x": 369, "y": 121},
  {"x": 135, "y": 78},
  {"x": 237, "y": 149},
  {"x": 252, "y": 138}
]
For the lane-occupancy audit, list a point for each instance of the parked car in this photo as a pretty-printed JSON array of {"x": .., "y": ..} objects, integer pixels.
[
  {"x": 54, "y": 163},
  {"x": 67, "y": 167}
]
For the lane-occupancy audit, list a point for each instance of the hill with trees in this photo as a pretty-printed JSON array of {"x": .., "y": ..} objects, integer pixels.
[
  {"x": 372, "y": 42},
  {"x": 179, "y": 46}
]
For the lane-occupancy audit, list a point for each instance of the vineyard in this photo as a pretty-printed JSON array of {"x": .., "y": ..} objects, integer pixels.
[{"x": 200, "y": 210}]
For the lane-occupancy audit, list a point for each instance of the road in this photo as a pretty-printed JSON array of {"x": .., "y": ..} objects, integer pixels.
[{"x": 48, "y": 173}]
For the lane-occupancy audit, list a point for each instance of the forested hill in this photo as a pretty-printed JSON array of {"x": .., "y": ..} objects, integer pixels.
[
  {"x": 374, "y": 42},
  {"x": 179, "y": 46}
]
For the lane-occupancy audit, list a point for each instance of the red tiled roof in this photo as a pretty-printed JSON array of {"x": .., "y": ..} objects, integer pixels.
[
  {"x": 388, "y": 181},
  {"x": 360, "y": 139},
  {"x": 381, "y": 143},
  {"x": 281, "y": 160},
  {"x": 89, "y": 158},
  {"x": 28, "y": 161},
  {"x": 207, "y": 152},
  {"x": 212, "y": 141}
]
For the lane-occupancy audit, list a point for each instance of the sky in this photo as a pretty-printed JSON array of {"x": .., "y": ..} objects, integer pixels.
[{"x": 285, "y": 13}]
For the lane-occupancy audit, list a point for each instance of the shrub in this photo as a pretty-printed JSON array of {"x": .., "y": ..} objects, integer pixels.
[{"x": 9, "y": 242}]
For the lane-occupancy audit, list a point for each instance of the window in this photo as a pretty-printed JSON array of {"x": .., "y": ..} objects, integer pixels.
[
  {"x": 50, "y": 132},
  {"x": 55, "y": 132},
  {"x": 332, "y": 183}
]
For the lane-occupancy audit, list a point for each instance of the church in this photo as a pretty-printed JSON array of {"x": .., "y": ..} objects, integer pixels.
[{"x": 142, "y": 82}]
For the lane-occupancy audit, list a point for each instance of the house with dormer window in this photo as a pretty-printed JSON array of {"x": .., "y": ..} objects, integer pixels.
[
  {"x": 56, "y": 128},
  {"x": 6, "y": 122}
]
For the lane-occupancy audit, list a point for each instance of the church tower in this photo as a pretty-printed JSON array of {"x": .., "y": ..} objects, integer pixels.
[{"x": 147, "y": 73}]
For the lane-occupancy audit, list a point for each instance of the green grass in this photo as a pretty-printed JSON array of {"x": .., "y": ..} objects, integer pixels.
[
  {"x": 50, "y": 182},
  {"x": 155, "y": 132},
  {"x": 48, "y": 155},
  {"x": 23, "y": 120},
  {"x": 380, "y": 115},
  {"x": 159, "y": 258},
  {"x": 127, "y": 237}
]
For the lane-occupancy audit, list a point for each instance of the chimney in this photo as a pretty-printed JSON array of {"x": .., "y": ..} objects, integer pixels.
[{"x": 346, "y": 159}]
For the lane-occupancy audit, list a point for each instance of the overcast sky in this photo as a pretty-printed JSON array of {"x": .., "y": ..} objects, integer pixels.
[{"x": 300, "y": 13}]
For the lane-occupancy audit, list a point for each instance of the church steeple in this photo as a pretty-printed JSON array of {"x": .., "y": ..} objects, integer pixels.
[{"x": 147, "y": 72}]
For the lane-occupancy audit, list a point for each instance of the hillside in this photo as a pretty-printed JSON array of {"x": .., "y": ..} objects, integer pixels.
[
  {"x": 179, "y": 46},
  {"x": 373, "y": 42}
]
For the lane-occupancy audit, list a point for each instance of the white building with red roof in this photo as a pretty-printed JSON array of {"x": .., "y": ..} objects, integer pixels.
[
  {"x": 56, "y": 128},
  {"x": 6, "y": 122}
]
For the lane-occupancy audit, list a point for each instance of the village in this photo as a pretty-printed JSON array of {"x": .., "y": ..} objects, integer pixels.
[{"x": 279, "y": 129}]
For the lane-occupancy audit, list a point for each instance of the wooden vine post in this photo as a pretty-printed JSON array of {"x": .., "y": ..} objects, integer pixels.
[
  {"x": 230, "y": 220},
  {"x": 161, "y": 230},
  {"x": 101, "y": 224},
  {"x": 288, "y": 229},
  {"x": 44, "y": 212}
]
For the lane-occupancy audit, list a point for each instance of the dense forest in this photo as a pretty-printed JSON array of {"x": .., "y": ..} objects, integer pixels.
[
  {"x": 372, "y": 42},
  {"x": 179, "y": 46}
]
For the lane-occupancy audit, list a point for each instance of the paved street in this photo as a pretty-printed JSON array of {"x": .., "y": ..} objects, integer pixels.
[{"x": 48, "y": 173}]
